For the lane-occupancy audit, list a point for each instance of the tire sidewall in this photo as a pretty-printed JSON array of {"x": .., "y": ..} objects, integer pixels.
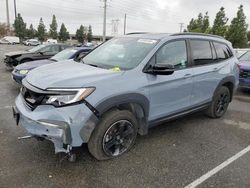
[
  {"x": 95, "y": 144},
  {"x": 216, "y": 97}
]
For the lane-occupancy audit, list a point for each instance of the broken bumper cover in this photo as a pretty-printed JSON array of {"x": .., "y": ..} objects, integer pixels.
[{"x": 54, "y": 124}]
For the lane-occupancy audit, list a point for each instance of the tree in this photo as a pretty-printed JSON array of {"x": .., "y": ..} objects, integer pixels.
[
  {"x": 199, "y": 25},
  {"x": 53, "y": 28},
  {"x": 31, "y": 32},
  {"x": 63, "y": 34},
  {"x": 237, "y": 32},
  {"x": 248, "y": 35},
  {"x": 41, "y": 30},
  {"x": 90, "y": 34},
  {"x": 3, "y": 29},
  {"x": 19, "y": 27},
  {"x": 220, "y": 21},
  {"x": 80, "y": 34}
]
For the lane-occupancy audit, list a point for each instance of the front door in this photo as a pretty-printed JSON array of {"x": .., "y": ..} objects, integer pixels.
[{"x": 170, "y": 94}]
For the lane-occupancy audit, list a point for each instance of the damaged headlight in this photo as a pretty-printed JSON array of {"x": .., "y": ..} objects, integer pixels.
[{"x": 67, "y": 96}]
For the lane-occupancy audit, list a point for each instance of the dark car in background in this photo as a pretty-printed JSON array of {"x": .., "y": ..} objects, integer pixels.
[
  {"x": 43, "y": 51},
  {"x": 244, "y": 66},
  {"x": 75, "y": 53}
]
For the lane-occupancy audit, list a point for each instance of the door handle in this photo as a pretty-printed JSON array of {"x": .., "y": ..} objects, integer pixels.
[
  {"x": 215, "y": 69},
  {"x": 187, "y": 76}
]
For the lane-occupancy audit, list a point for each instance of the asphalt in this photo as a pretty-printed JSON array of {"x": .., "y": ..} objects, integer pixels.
[{"x": 173, "y": 154}]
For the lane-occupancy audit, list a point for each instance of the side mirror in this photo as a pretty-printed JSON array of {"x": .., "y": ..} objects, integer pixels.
[{"x": 161, "y": 69}]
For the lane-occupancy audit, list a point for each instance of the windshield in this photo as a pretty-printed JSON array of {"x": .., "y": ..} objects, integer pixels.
[
  {"x": 124, "y": 53},
  {"x": 63, "y": 55},
  {"x": 37, "y": 48},
  {"x": 245, "y": 57}
]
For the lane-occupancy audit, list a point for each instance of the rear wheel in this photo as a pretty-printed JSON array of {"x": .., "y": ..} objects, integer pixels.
[
  {"x": 220, "y": 103},
  {"x": 114, "y": 135}
]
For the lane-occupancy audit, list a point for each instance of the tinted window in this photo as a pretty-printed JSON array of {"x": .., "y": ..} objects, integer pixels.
[
  {"x": 202, "y": 53},
  {"x": 222, "y": 51},
  {"x": 174, "y": 53}
]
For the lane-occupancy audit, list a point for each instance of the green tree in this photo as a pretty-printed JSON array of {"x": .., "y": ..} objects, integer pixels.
[
  {"x": 19, "y": 27},
  {"x": 41, "y": 30},
  {"x": 237, "y": 32},
  {"x": 90, "y": 34},
  {"x": 80, "y": 34},
  {"x": 199, "y": 25},
  {"x": 220, "y": 21},
  {"x": 3, "y": 29},
  {"x": 31, "y": 32},
  {"x": 53, "y": 28},
  {"x": 248, "y": 35},
  {"x": 63, "y": 33}
]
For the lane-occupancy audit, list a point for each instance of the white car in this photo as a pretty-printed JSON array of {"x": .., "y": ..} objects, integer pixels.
[
  {"x": 51, "y": 41},
  {"x": 10, "y": 40},
  {"x": 31, "y": 42}
]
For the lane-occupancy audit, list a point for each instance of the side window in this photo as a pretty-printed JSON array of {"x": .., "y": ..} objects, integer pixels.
[
  {"x": 55, "y": 49},
  {"x": 202, "y": 53},
  {"x": 63, "y": 47},
  {"x": 174, "y": 53},
  {"x": 223, "y": 52}
]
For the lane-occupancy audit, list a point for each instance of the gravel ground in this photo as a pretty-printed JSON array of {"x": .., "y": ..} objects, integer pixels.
[{"x": 173, "y": 154}]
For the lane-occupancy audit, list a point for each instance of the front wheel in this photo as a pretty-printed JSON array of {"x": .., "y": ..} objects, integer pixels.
[
  {"x": 114, "y": 135},
  {"x": 220, "y": 103}
]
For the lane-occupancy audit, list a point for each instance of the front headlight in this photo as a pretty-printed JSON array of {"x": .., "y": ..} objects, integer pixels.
[
  {"x": 67, "y": 96},
  {"x": 23, "y": 72}
]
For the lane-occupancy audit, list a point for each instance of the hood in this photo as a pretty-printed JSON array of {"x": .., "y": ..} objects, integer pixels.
[
  {"x": 33, "y": 64},
  {"x": 68, "y": 75},
  {"x": 16, "y": 53},
  {"x": 245, "y": 64}
]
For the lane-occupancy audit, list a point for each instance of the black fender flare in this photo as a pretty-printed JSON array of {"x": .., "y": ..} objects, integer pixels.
[
  {"x": 228, "y": 79},
  {"x": 115, "y": 102}
]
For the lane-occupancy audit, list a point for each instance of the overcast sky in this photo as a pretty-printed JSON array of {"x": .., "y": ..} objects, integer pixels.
[{"x": 142, "y": 15}]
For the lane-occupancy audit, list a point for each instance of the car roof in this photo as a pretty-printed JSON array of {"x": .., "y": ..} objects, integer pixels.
[{"x": 160, "y": 36}]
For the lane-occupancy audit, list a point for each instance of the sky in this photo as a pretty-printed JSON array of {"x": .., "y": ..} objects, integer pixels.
[{"x": 161, "y": 16}]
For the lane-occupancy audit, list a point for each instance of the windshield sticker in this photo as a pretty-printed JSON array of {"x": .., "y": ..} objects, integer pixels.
[
  {"x": 116, "y": 69},
  {"x": 147, "y": 41}
]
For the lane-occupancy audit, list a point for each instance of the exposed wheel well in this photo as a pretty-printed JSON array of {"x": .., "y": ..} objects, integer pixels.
[
  {"x": 230, "y": 86},
  {"x": 139, "y": 113}
]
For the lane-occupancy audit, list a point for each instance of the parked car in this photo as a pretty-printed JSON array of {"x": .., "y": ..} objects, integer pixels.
[
  {"x": 31, "y": 42},
  {"x": 20, "y": 71},
  {"x": 244, "y": 66},
  {"x": 13, "y": 59},
  {"x": 10, "y": 40},
  {"x": 51, "y": 41},
  {"x": 124, "y": 87},
  {"x": 241, "y": 51}
]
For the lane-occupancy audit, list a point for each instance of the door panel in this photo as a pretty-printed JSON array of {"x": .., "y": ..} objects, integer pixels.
[{"x": 171, "y": 93}]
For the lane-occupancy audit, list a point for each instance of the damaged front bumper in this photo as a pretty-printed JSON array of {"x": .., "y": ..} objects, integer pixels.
[{"x": 59, "y": 125}]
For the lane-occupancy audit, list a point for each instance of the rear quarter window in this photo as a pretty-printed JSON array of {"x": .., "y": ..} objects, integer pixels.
[{"x": 222, "y": 50}]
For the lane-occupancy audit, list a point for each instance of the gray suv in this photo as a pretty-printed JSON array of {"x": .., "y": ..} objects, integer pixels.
[{"x": 124, "y": 87}]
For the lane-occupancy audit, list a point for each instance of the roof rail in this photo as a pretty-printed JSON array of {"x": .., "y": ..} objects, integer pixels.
[
  {"x": 134, "y": 33},
  {"x": 199, "y": 34}
]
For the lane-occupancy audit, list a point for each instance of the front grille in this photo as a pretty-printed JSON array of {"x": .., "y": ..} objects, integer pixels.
[
  {"x": 31, "y": 98},
  {"x": 244, "y": 73}
]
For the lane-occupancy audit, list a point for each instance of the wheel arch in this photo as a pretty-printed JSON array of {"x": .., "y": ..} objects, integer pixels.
[
  {"x": 136, "y": 103},
  {"x": 228, "y": 82}
]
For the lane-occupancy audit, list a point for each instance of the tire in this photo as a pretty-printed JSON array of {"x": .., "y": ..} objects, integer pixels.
[
  {"x": 219, "y": 104},
  {"x": 29, "y": 44},
  {"x": 103, "y": 149}
]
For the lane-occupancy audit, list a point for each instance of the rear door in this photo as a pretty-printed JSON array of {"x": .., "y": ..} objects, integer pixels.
[
  {"x": 171, "y": 94},
  {"x": 207, "y": 65}
]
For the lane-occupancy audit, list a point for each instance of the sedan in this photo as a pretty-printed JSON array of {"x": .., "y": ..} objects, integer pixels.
[
  {"x": 13, "y": 59},
  {"x": 76, "y": 54}
]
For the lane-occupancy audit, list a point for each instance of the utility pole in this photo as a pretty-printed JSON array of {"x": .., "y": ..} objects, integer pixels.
[
  {"x": 115, "y": 24},
  {"x": 125, "y": 24},
  {"x": 7, "y": 15},
  {"x": 15, "y": 8},
  {"x": 104, "y": 20},
  {"x": 181, "y": 27}
]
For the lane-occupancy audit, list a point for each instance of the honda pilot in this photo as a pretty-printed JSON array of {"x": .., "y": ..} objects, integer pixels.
[{"x": 124, "y": 87}]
